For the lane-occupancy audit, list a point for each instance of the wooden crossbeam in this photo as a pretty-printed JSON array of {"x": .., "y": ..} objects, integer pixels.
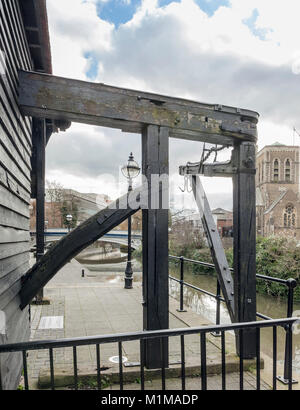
[
  {"x": 77, "y": 240},
  {"x": 46, "y": 96}
]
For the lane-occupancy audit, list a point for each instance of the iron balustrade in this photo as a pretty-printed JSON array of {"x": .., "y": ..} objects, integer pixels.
[
  {"x": 119, "y": 339},
  {"x": 291, "y": 284}
]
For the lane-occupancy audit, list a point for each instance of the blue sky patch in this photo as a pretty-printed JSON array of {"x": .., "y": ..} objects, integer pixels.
[
  {"x": 250, "y": 22},
  {"x": 163, "y": 3},
  {"x": 93, "y": 69},
  {"x": 120, "y": 11},
  {"x": 117, "y": 11},
  {"x": 211, "y": 6}
]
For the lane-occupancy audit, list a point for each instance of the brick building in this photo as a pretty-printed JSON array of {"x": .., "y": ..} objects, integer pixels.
[
  {"x": 86, "y": 205},
  {"x": 277, "y": 191},
  {"x": 224, "y": 221}
]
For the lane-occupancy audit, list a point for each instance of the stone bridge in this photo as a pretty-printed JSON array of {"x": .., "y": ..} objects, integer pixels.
[{"x": 119, "y": 237}]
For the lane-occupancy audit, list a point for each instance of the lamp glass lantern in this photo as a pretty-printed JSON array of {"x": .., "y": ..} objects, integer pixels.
[
  {"x": 69, "y": 219},
  {"x": 131, "y": 169}
]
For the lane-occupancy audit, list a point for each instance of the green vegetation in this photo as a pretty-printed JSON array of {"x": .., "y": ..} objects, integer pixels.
[
  {"x": 275, "y": 256},
  {"x": 90, "y": 383},
  {"x": 280, "y": 258}
]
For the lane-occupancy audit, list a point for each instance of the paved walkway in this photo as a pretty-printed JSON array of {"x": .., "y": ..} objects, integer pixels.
[{"x": 98, "y": 304}]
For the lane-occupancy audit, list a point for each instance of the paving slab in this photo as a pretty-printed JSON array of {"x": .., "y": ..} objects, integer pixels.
[{"x": 99, "y": 305}]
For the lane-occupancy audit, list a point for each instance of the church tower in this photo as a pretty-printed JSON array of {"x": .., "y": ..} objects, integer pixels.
[{"x": 277, "y": 190}]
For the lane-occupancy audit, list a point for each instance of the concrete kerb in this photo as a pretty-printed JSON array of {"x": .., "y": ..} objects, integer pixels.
[{"x": 64, "y": 377}]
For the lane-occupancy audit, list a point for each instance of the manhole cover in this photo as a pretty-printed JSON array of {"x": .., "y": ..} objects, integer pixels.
[{"x": 115, "y": 359}]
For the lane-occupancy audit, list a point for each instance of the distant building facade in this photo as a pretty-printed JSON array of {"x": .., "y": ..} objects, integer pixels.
[
  {"x": 85, "y": 205},
  {"x": 224, "y": 222},
  {"x": 277, "y": 191}
]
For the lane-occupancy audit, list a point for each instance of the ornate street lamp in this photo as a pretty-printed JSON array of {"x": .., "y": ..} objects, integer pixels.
[
  {"x": 69, "y": 219},
  {"x": 130, "y": 170}
]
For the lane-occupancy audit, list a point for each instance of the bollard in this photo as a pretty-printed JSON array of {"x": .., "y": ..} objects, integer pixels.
[
  {"x": 218, "y": 309},
  {"x": 83, "y": 273},
  {"x": 288, "y": 355},
  {"x": 181, "y": 309}
]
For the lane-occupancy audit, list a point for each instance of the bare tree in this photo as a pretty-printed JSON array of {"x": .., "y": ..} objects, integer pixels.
[{"x": 55, "y": 197}]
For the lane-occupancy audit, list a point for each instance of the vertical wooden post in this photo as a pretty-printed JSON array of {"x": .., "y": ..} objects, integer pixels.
[
  {"x": 39, "y": 143},
  {"x": 155, "y": 153},
  {"x": 244, "y": 231}
]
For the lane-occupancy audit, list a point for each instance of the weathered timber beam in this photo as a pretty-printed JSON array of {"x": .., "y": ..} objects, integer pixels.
[
  {"x": 39, "y": 141},
  {"x": 77, "y": 240},
  {"x": 244, "y": 242},
  {"x": 155, "y": 150},
  {"x": 42, "y": 95},
  {"x": 217, "y": 169}
]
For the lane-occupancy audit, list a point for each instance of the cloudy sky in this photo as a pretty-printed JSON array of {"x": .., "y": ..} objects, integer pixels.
[{"x": 244, "y": 53}]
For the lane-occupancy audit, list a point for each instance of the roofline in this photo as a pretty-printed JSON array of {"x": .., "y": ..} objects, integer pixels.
[
  {"x": 42, "y": 16},
  {"x": 35, "y": 18},
  {"x": 278, "y": 146}
]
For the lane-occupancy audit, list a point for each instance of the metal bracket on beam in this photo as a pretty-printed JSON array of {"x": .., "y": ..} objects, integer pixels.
[{"x": 217, "y": 169}]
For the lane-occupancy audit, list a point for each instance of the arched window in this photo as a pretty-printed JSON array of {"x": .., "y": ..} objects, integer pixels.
[
  {"x": 289, "y": 216},
  {"x": 276, "y": 170},
  {"x": 287, "y": 170}
]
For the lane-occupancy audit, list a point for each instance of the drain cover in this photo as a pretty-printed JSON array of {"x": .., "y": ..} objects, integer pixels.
[{"x": 115, "y": 359}]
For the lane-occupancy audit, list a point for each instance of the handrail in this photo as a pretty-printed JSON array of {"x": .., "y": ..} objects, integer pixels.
[
  {"x": 290, "y": 283},
  {"x": 162, "y": 336},
  {"x": 141, "y": 335},
  {"x": 212, "y": 266}
]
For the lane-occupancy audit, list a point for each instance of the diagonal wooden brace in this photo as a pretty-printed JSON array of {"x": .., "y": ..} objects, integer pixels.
[
  {"x": 216, "y": 247},
  {"x": 77, "y": 240}
]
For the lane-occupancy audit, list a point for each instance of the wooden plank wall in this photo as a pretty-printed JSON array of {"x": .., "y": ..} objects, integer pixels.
[{"x": 15, "y": 187}]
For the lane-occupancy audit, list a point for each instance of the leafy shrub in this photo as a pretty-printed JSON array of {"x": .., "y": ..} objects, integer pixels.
[{"x": 275, "y": 256}]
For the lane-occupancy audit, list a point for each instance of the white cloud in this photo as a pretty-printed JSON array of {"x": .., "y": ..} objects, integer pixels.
[
  {"x": 75, "y": 29},
  {"x": 178, "y": 50}
]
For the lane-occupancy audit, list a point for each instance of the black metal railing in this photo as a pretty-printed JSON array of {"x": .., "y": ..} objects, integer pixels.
[
  {"x": 162, "y": 335},
  {"x": 291, "y": 284}
]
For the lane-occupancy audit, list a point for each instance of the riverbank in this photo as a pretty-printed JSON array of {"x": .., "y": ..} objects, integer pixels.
[{"x": 275, "y": 256}]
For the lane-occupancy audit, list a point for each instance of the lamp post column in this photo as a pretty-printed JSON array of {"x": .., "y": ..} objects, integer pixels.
[
  {"x": 128, "y": 271},
  {"x": 130, "y": 170}
]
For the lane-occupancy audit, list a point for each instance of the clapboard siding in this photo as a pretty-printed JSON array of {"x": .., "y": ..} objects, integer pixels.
[
  {"x": 9, "y": 200},
  {"x": 15, "y": 331},
  {"x": 15, "y": 187},
  {"x": 9, "y": 235},
  {"x": 8, "y": 265},
  {"x": 7, "y": 250},
  {"x": 11, "y": 279},
  {"x": 12, "y": 64},
  {"x": 9, "y": 181},
  {"x": 13, "y": 167}
]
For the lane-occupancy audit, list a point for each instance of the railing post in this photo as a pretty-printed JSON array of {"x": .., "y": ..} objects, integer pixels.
[
  {"x": 181, "y": 309},
  {"x": 285, "y": 379},
  {"x": 218, "y": 309}
]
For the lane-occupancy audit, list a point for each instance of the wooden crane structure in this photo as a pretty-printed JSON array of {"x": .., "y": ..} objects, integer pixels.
[{"x": 157, "y": 118}]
